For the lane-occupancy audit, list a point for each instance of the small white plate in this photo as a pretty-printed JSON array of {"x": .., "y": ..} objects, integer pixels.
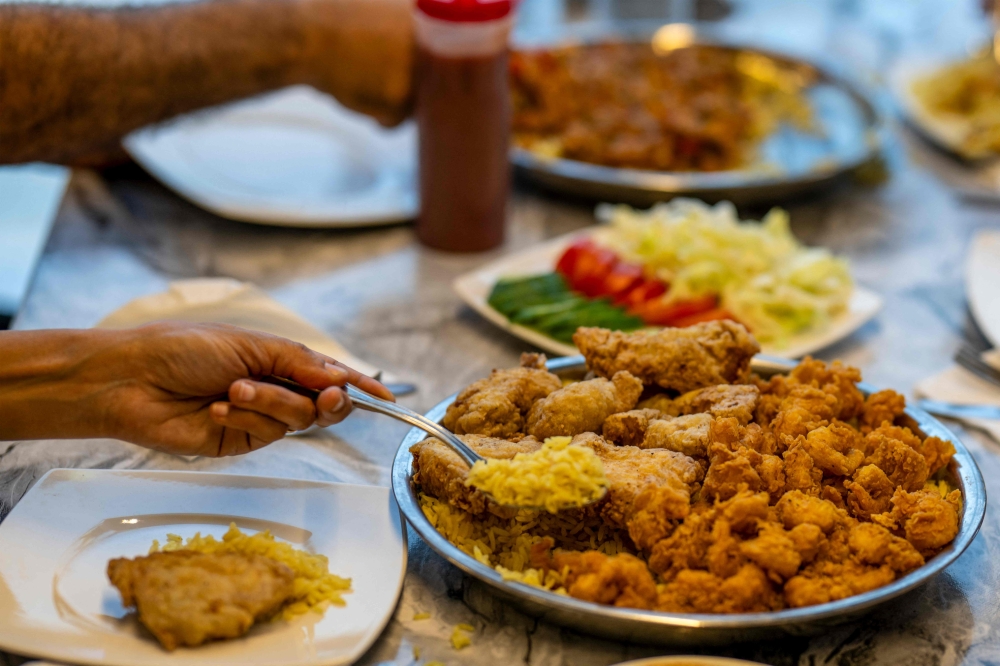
[
  {"x": 982, "y": 283},
  {"x": 475, "y": 287},
  {"x": 56, "y": 602},
  {"x": 290, "y": 158}
]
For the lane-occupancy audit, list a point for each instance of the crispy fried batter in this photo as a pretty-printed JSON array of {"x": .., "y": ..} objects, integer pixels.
[
  {"x": 629, "y": 428},
  {"x": 615, "y": 580},
  {"x": 498, "y": 405},
  {"x": 796, "y": 508},
  {"x": 680, "y": 359},
  {"x": 802, "y": 410},
  {"x": 869, "y": 492},
  {"x": 725, "y": 400},
  {"x": 881, "y": 407},
  {"x": 835, "y": 449},
  {"x": 894, "y": 451},
  {"x": 186, "y": 598},
  {"x": 928, "y": 520},
  {"x": 685, "y": 434},
  {"x": 747, "y": 591},
  {"x": 583, "y": 406}
]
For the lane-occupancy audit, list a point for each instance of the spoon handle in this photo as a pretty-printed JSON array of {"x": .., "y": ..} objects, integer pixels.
[{"x": 370, "y": 403}]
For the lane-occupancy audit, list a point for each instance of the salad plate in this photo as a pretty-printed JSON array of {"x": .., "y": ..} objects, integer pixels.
[{"x": 475, "y": 287}]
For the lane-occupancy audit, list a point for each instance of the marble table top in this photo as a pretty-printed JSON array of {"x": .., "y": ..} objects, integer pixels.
[{"x": 121, "y": 235}]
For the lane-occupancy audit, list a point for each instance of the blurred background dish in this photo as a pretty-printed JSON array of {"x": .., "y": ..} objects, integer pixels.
[
  {"x": 689, "y": 660},
  {"x": 291, "y": 158},
  {"x": 765, "y": 126}
]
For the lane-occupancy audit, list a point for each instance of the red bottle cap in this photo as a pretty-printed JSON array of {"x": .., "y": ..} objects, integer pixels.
[{"x": 465, "y": 11}]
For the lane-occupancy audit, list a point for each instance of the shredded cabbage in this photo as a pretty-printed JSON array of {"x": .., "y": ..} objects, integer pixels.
[{"x": 763, "y": 275}]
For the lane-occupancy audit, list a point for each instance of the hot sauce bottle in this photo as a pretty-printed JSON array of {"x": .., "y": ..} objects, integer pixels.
[{"x": 463, "y": 117}]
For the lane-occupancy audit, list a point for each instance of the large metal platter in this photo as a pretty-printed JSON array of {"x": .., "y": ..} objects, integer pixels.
[
  {"x": 796, "y": 162},
  {"x": 627, "y": 624}
]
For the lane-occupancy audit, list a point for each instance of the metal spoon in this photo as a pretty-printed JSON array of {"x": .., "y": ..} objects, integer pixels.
[{"x": 370, "y": 403}]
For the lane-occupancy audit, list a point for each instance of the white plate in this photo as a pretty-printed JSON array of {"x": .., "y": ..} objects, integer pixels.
[
  {"x": 290, "y": 158},
  {"x": 982, "y": 283},
  {"x": 475, "y": 287},
  {"x": 56, "y": 601}
]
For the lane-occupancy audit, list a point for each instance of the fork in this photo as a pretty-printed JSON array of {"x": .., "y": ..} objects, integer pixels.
[{"x": 969, "y": 358}]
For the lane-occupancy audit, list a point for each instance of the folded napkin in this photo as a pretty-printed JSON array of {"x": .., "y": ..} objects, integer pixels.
[
  {"x": 958, "y": 385},
  {"x": 228, "y": 301}
]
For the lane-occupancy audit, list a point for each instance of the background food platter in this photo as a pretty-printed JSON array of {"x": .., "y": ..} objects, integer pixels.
[
  {"x": 474, "y": 288},
  {"x": 790, "y": 162},
  {"x": 634, "y": 625}
]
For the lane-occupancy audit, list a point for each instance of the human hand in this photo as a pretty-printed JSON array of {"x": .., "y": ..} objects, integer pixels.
[{"x": 189, "y": 389}]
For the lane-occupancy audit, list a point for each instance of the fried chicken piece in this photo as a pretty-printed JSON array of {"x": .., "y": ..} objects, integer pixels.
[
  {"x": 823, "y": 582},
  {"x": 616, "y": 580},
  {"x": 881, "y": 407},
  {"x": 661, "y": 402},
  {"x": 928, "y": 520},
  {"x": 835, "y": 449},
  {"x": 804, "y": 409},
  {"x": 629, "y": 428},
  {"x": 498, "y": 405},
  {"x": 837, "y": 380},
  {"x": 937, "y": 452},
  {"x": 801, "y": 473},
  {"x": 583, "y": 406},
  {"x": 796, "y": 508},
  {"x": 774, "y": 551},
  {"x": 869, "y": 492},
  {"x": 704, "y": 540},
  {"x": 631, "y": 471},
  {"x": 685, "y": 434},
  {"x": 187, "y": 598},
  {"x": 725, "y": 400},
  {"x": 441, "y": 473},
  {"x": 746, "y": 591},
  {"x": 875, "y": 545},
  {"x": 728, "y": 431},
  {"x": 680, "y": 359},
  {"x": 656, "y": 512},
  {"x": 894, "y": 451},
  {"x": 734, "y": 467}
]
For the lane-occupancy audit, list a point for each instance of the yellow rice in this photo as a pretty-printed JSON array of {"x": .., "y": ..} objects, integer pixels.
[
  {"x": 314, "y": 587},
  {"x": 504, "y": 544},
  {"x": 557, "y": 476},
  {"x": 459, "y": 639}
]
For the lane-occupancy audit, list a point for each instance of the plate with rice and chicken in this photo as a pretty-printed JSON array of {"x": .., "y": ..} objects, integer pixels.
[{"x": 741, "y": 497}]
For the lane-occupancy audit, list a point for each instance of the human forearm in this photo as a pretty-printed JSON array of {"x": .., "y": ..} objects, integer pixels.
[
  {"x": 74, "y": 80},
  {"x": 44, "y": 387}
]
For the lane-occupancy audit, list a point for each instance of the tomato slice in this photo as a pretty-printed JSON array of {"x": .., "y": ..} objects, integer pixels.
[
  {"x": 622, "y": 278},
  {"x": 711, "y": 315},
  {"x": 663, "y": 313},
  {"x": 567, "y": 262},
  {"x": 591, "y": 269},
  {"x": 646, "y": 290}
]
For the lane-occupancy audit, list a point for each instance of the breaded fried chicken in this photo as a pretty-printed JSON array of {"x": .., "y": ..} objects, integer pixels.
[
  {"x": 583, "y": 406},
  {"x": 629, "y": 428},
  {"x": 187, "y": 598},
  {"x": 738, "y": 401},
  {"x": 928, "y": 520},
  {"x": 616, "y": 580},
  {"x": 498, "y": 405},
  {"x": 680, "y": 359}
]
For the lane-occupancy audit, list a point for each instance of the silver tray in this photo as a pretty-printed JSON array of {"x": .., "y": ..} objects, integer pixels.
[
  {"x": 627, "y": 624},
  {"x": 806, "y": 163}
]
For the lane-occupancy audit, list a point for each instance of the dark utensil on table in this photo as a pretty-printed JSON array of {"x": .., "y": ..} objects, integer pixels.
[{"x": 969, "y": 358}]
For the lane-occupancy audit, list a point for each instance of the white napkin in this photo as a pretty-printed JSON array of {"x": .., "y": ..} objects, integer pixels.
[
  {"x": 228, "y": 301},
  {"x": 958, "y": 385}
]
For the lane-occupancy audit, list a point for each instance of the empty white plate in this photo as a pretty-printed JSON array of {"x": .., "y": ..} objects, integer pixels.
[
  {"x": 291, "y": 158},
  {"x": 475, "y": 287},
  {"x": 982, "y": 282},
  {"x": 56, "y": 601}
]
